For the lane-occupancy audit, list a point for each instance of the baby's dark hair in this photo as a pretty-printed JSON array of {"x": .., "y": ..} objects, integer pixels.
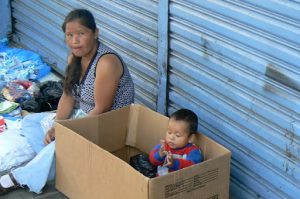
[{"x": 189, "y": 117}]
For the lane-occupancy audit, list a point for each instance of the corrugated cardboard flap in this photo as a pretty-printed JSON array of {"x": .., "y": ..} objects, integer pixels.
[
  {"x": 112, "y": 177},
  {"x": 108, "y": 130},
  {"x": 84, "y": 127},
  {"x": 146, "y": 128},
  {"x": 70, "y": 159}
]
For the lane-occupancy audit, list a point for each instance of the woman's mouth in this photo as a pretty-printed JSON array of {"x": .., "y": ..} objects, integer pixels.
[{"x": 76, "y": 50}]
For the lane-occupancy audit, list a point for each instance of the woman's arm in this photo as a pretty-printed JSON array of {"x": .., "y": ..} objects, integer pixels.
[
  {"x": 66, "y": 102},
  {"x": 64, "y": 110},
  {"x": 65, "y": 106},
  {"x": 108, "y": 74}
]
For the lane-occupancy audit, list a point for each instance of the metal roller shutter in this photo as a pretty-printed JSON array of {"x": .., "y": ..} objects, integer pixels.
[
  {"x": 236, "y": 63},
  {"x": 129, "y": 27}
]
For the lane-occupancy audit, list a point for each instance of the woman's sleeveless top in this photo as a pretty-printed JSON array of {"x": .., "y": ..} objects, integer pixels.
[{"x": 84, "y": 91}]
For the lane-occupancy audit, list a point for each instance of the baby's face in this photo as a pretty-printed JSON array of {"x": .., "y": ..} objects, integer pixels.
[{"x": 177, "y": 135}]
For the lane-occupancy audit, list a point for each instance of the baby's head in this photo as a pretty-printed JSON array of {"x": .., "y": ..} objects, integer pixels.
[{"x": 182, "y": 124}]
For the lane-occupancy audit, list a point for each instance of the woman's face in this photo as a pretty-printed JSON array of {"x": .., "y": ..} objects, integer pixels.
[{"x": 80, "y": 39}]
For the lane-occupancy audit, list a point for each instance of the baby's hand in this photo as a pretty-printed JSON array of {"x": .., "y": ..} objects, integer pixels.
[
  {"x": 170, "y": 159},
  {"x": 162, "y": 150}
]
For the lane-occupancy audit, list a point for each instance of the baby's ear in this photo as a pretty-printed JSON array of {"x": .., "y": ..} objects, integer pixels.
[{"x": 191, "y": 138}]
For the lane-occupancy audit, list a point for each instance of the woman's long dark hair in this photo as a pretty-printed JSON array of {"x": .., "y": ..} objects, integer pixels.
[{"x": 73, "y": 71}]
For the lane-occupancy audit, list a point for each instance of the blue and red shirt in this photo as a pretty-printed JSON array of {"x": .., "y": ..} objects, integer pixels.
[{"x": 183, "y": 157}]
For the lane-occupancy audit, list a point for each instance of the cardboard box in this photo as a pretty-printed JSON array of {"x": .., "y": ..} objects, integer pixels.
[{"x": 92, "y": 156}]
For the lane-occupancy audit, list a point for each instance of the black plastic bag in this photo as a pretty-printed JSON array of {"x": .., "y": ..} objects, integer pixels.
[
  {"x": 47, "y": 99},
  {"x": 142, "y": 164},
  {"x": 31, "y": 106}
]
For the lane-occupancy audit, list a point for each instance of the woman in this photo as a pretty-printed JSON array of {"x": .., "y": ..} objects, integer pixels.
[{"x": 96, "y": 81}]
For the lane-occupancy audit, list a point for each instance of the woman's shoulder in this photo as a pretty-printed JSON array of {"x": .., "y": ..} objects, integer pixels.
[{"x": 109, "y": 63}]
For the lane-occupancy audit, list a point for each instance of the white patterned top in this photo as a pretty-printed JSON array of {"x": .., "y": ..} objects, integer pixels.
[{"x": 84, "y": 91}]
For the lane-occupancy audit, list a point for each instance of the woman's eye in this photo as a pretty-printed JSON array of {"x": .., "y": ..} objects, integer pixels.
[{"x": 81, "y": 33}]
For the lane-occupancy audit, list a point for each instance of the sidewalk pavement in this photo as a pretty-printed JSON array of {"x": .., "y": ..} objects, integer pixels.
[{"x": 49, "y": 192}]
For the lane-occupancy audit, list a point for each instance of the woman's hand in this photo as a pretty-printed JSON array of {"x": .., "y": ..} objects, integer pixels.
[{"x": 50, "y": 136}]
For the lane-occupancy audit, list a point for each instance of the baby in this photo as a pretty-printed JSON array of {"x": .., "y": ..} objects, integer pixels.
[{"x": 175, "y": 151}]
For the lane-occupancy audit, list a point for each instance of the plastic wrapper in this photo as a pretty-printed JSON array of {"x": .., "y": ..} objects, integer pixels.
[{"x": 142, "y": 164}]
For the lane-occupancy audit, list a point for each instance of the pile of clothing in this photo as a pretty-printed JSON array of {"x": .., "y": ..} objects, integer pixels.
[{"x": 29, "y": 96}]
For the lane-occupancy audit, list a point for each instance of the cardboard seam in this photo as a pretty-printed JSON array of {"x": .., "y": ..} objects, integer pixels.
[{"x": 132, "y": 125}]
